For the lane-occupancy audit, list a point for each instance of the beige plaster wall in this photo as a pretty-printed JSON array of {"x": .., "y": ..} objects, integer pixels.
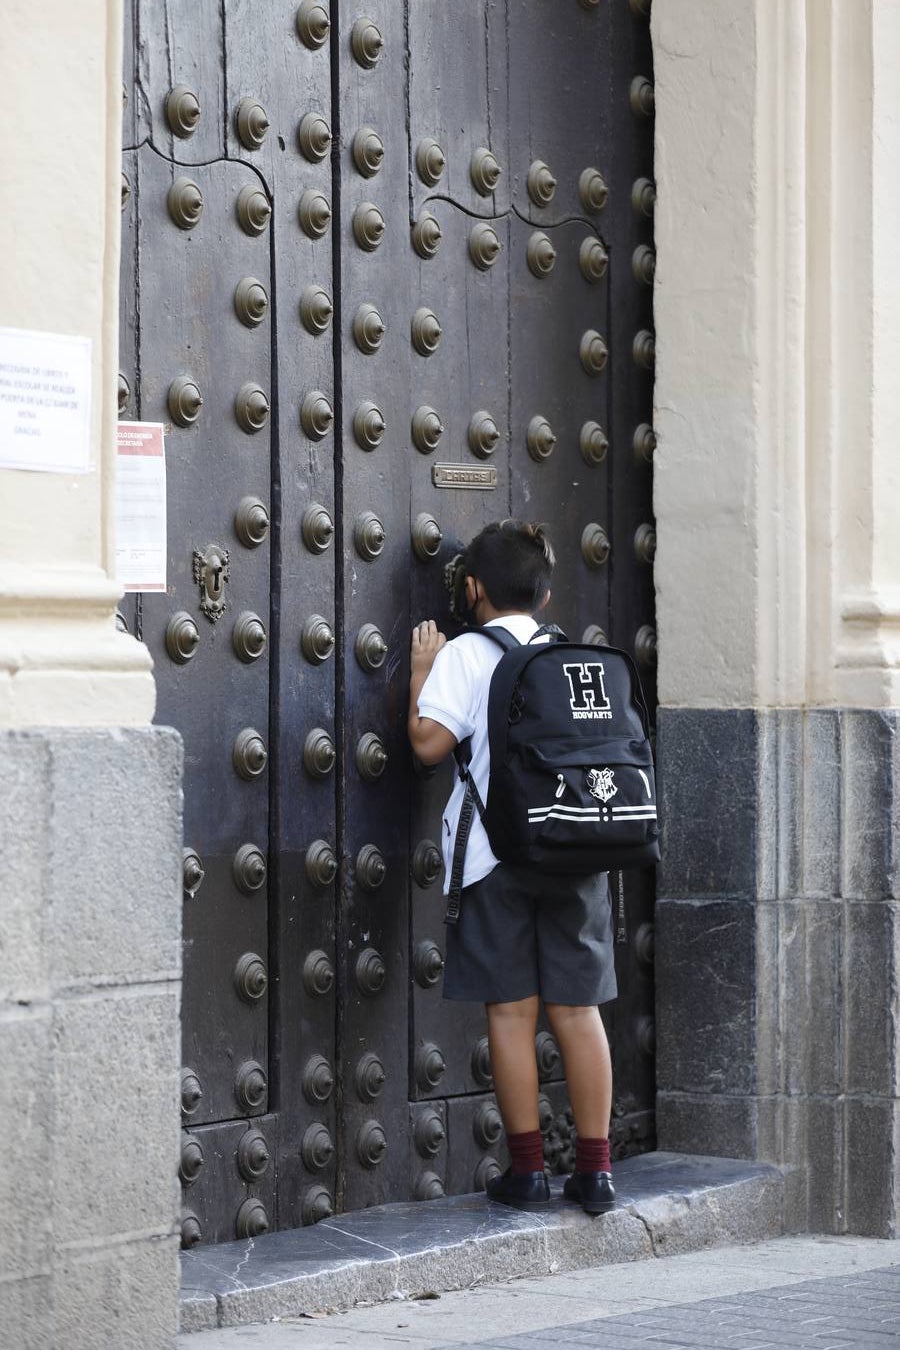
[
  {"x": 778, "y": 334},
  {"x": 61, "y": 659}
]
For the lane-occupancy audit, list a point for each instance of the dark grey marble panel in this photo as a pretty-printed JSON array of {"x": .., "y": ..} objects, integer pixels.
[
  {"x": 872, "y": 1189},
  {"x": 870, "y": 837},
  {"x": 809, "y": 1044},
  {"x": 716, "y": 1125},
  {"x": 708, "y": 773},
  {"x": 706, "y": 996}
]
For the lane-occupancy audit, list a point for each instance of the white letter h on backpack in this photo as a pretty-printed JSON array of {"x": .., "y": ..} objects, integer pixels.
[{"x": 588, "y": 694}]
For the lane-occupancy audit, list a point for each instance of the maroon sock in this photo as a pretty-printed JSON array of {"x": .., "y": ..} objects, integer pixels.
[
  {"x": 592, "y": 1155},
  {"x": 526, "y": 1152}
]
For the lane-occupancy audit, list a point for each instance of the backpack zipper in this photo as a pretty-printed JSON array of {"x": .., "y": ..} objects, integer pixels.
[{"x": 562, "y": 786}]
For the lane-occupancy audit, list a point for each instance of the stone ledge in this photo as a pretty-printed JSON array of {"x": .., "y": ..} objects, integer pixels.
[{"x": 668, "y": 1203}]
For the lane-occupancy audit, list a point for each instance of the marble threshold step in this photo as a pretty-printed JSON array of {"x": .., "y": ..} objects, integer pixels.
[{"x": 667, "y": 1203}]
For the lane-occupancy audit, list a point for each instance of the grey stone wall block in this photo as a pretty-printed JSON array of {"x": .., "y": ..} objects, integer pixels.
[
  {"x": 705, "y": 996},
  {"x": 23, "y": 856},
  {"x": 808, "y": 1131},
  {"x": 718, "y": 1126},
  {"x": 872, "y": 953},
  {"x": 707, "y": 770},
  {"x": 810, "y": 996},
  {"x": 116, "y": 1297},
  {"x": 26, "y": 1108},
  {"x": 116, "y": 1139},
  {"x": 871, "y": 1168},
  {"x": 869, "y": 845},
  {"x": 821, "y": 803},
  {"x": 25, "y": 1314},
  {"x": 115, "y": 841},
  {"x": 780, "y": 802},
  {"x": 768, "y": 998}
]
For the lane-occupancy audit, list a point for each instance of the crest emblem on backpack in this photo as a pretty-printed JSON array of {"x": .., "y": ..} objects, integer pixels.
[{"x": 600, "y": 784}]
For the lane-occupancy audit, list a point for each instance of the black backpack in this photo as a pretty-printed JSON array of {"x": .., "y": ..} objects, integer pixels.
[{"x": 571, "y": 785}]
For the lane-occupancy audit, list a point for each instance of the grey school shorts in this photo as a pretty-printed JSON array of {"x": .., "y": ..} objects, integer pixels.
[{"x": 522, "y": 933}]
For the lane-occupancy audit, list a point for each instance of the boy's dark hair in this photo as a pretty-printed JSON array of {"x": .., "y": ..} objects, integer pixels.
[{"x": 513, "y": 560}]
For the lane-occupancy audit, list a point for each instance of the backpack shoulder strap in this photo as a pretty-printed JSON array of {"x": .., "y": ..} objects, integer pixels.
[{"x": 551, "y": 630}]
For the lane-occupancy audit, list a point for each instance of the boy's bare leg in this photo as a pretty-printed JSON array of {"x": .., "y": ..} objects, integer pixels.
[
  {"x": 511, "y": 1029},
  {"x": 585, "y": 1050}
]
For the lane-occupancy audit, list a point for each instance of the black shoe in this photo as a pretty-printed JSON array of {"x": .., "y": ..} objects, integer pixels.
[
  {"x": 526, "y": 1190},
  {"x": 594, "y": 1190}
]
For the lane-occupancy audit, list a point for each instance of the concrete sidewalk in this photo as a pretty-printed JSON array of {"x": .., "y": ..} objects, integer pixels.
[{"x": 821, "y": 1293}]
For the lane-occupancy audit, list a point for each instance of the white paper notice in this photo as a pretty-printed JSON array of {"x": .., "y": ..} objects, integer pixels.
[
  {"x": 141, "y": 507},
  {"x": 45, "y": 401}
]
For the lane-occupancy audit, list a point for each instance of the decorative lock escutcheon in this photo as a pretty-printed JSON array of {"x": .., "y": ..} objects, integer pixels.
[
  {"x": 317, "y": 639},
  {"x": 370, "y": 867},
  {"x": 369, "y": 1077},
  {"x": 211, "y": 573},
  {"x": 314, "y": 213},
  {"x": 430, "y": 161},
  {"x": 320, "y": 863},
  {"x": 426, "y": 235},
  {"x": 319, "y": 753}
]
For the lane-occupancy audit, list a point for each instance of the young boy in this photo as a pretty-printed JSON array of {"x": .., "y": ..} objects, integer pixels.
[{"x": 522, "y": 936}]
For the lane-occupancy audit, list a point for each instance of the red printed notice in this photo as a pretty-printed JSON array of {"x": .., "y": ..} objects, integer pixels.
[{"x": 141, "y": 507}]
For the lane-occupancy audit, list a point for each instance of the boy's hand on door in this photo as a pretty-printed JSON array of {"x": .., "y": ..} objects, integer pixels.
[{"x": 427, "y": 641}]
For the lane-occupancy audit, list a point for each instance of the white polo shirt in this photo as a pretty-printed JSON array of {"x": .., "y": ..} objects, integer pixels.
[{"x": 455, "y": 694}]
